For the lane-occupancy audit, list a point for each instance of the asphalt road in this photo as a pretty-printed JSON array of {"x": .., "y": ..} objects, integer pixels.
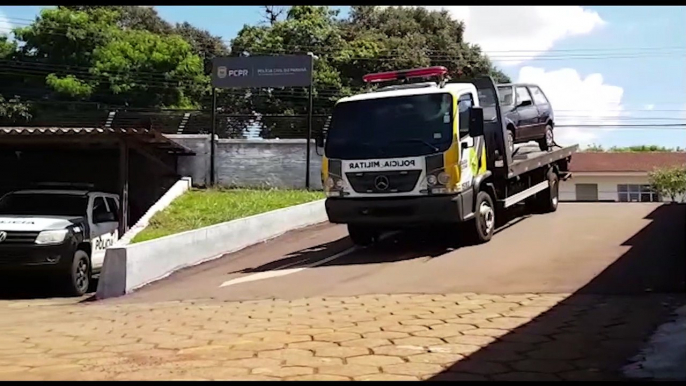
[{"x": 593, "y": 248}]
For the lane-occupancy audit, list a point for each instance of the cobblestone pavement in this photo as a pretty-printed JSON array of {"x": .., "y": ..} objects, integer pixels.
[{"x": 381, "y": 337}]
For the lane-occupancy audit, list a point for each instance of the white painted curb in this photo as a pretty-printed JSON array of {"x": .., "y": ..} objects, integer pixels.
[
  {"x": 129, "y": 267},
  {"x": 180, "y": 187}
]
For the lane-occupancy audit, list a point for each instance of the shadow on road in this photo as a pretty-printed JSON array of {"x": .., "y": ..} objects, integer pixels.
[
  {"x": 401, "y": 246},
  {"x": 27, "y": 286},
  {"x": 591, "y": 334}
]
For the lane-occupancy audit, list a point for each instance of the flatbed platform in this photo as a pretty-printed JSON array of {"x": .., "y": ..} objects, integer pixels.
[{"x": 530, "y": 157}]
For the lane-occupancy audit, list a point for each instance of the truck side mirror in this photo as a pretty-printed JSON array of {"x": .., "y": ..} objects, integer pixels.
[{"x": 476, "y": 121}]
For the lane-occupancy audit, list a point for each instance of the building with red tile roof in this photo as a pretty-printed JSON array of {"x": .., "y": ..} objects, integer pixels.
[{"x": 622, "y": 176}]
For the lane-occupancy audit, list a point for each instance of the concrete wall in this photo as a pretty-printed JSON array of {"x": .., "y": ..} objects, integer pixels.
[
  {"x": 198, "y": 166},
  {"x": 250, "y": 163},
  {"x": 607, "y": 185}
]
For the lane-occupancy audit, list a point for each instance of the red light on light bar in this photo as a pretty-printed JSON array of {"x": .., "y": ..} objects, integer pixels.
[{"x": 403, "y": 74}]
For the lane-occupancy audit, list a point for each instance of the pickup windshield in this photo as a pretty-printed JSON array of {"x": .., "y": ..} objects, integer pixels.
[
  {"x": 403, "y": 126},
  {"x": 41, "y": 204}
]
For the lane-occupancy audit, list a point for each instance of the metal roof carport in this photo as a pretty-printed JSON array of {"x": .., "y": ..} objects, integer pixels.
[{"x": 149, "y": 144}]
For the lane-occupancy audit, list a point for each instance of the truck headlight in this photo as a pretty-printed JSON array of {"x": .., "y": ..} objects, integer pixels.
[
  {"x": 51, "y": 237},
  {"x": 443, "y": 178},
  {"x": 330, "y": 183},
  {"x": 431, "y": 180}
]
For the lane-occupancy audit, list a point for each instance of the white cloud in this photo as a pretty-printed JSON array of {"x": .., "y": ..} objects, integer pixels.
[
  {"x": 649, "y": 107},
  {"x": 577, "y": 101},
  {"x": 531, "y": 30},
  {"x": 5, "y": 24}
]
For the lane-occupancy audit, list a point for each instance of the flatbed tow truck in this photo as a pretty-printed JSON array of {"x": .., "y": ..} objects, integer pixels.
[{"x": 421, "y": 154}]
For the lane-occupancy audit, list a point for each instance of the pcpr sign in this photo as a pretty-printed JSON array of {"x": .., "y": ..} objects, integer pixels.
[{"x": 262, "y": 71}]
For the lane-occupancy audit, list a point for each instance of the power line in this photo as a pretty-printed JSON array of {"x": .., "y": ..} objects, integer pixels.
[{"x": 647, "y": 52}]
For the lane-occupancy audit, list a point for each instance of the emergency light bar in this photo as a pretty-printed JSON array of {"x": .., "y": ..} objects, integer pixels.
[{"x": 405, "y": 74}]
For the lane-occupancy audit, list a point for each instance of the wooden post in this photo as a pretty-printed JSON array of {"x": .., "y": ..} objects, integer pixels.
[{"x": 123, "y": 187}]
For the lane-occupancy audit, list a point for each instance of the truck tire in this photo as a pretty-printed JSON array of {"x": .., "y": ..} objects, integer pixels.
[
  {"x": 78, "y": 278},
  {"x": 547, "y": 200},
  {"x": 483, "y": 224},
  {"x": 363, "y": 236},
  {"x": 548, "y": 141}
]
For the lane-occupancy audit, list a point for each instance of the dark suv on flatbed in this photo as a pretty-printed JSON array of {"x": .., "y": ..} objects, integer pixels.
[{"x": 526, "y": 112}]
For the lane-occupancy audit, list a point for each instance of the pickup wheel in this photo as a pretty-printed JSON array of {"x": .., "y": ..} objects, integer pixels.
[
  {"x": 483, "y": 225},
  {"x": 78, "y": 279},
  {"x": 363, "y": 236},
  {"x": 547, "y": 142}
]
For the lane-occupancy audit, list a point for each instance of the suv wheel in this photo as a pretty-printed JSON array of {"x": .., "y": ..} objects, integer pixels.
[
  {"x": 546, "y": 143},
  {"x": 510, "y": 141}
]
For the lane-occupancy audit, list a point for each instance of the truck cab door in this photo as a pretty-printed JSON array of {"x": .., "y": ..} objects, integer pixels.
[
  {"x": 103, "y": 229},
  {"x": 497, "y": 154}
]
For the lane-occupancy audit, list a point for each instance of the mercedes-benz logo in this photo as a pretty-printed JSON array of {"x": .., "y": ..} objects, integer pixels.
[
  {"x": 3, "y": 236},
  {"x": 381, "y": 182}
]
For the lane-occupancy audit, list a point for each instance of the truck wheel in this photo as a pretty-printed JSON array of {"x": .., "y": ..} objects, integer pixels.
[
  {"x": 548, "y": 199},
  {"x": 547, "y": 142},
  {"x": 78, "y": 279},
  {"x": 483, "y": 224},
  {"x": 362, "y": 236}
]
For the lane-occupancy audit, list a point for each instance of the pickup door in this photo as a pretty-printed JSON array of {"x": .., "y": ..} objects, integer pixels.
[{"x": 104, "y": 227}]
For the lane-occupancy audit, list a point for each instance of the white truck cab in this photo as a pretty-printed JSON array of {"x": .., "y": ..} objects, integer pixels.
[
  {"x": 423, "y": 154},
  {"x": 58, "y": 232}
]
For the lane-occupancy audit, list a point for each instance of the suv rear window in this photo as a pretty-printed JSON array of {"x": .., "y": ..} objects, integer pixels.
[{"x": 539, "y": 97}]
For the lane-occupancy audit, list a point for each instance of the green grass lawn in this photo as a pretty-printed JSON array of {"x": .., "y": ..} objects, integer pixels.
[{"x": 200, "y": 208}]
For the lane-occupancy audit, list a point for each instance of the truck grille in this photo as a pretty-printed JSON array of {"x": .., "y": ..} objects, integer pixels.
[
  {"x": 398, "y": 181},
  {"x": 19, "y": 238}
]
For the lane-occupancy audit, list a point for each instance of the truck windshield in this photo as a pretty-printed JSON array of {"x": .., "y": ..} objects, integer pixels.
[
  {"x": 36, "y": 204},
  {"x": 403, "y": 126}
]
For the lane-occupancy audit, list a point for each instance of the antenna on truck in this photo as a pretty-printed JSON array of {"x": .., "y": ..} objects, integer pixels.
[{"x": 425, "y": 72}]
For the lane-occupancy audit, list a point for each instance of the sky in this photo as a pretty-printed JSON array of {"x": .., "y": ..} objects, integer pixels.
[{"x": 597, "y": 65}]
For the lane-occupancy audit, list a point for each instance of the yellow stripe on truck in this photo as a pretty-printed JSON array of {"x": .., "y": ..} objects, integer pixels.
[
  {"x": 451, "y": 157},
  {"x": 325, "y": 169}
]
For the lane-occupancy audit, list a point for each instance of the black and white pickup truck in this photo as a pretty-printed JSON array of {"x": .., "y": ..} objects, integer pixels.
[{"x": 60, "y": 232}]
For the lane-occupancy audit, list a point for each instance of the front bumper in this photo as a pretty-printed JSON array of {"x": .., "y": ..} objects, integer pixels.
[
  {"x": 35, "y": 257},
  {"x": 398, "y": 212}
]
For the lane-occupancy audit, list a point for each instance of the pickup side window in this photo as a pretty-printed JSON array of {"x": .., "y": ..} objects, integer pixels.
[
  {"x": 463, "y": 104},
  {"x": 522, "y": 95},
  {"x": 113, "y": 207},
  {"x": 539, "y": 97},
  {"x": 100, "y": 212}
]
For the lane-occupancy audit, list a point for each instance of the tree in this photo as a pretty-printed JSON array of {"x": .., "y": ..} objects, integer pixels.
[
  {"x": 371, "y": 39},
  {"x": 12, "y": 110},
  {"x": 304, "y": 29},
  {"x": 669, "y": 182},
  {"x": 134, "y": 17},
  {"x": 203, "y": 44},
  {"x": 108, "y": 55}
]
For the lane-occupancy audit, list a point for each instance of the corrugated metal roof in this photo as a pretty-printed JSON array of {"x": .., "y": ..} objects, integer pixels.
[
  {"x": 68, "y": 131},
  {"x": 151, "y": 137}
]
